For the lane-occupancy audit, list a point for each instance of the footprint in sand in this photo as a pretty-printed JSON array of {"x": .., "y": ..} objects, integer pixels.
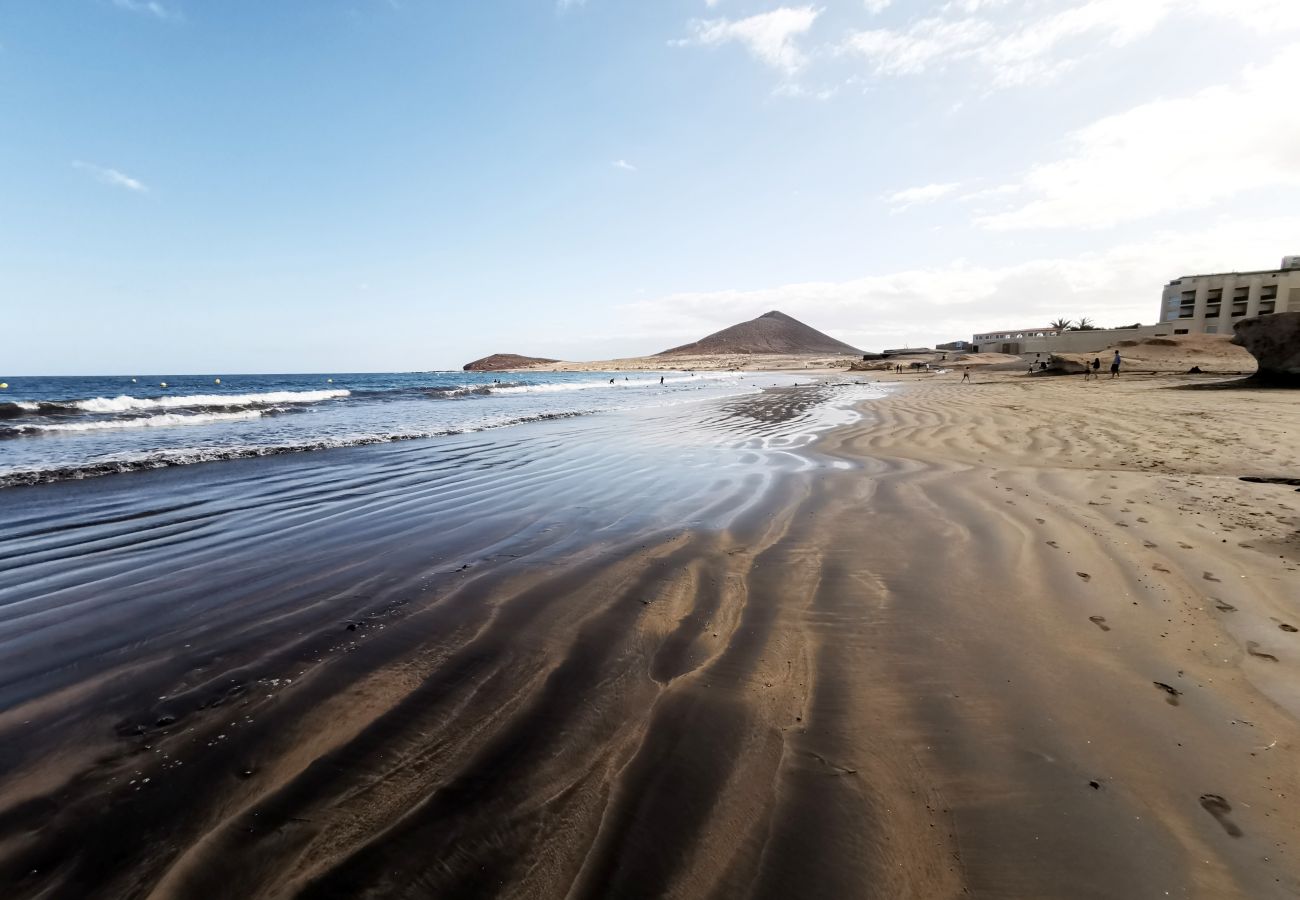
[
  {"x": 1252, "y": 647},
  {"x": 1100, "y": 622},
  {"x": 1041, "y": 521},
  {"x": 1208, "y": 576},
  {"x": 1053, "y": 545},
  {"x": 1185, "y": 546},
  {"x": 1224, "y": 607},
  {"x": 1142, "y": 520},
  {"x": 1220, "y": 808},
  {"x": 1084, "y": 575},
  {"x": 1173, "y": 692},
  {"x": 1150, "y": 545},
  {"x": 1288, "y": 628}
]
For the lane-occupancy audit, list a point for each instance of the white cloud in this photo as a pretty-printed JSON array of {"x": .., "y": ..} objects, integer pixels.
[
  {"x": 768, "y": 36},
  {"x": 876, "y": 7},
  {"x": 148, "y": 7},
  {"x": 1041, "y": 40},
  {"x": 111, "y": 176},
  {"x": 1116, "y": 286},
  {"x": 1184, "y": 153},
  {"x": 909, "y": 197},
  {"x": 925, "y": 44},
  {"x": 624, "y": 165}
]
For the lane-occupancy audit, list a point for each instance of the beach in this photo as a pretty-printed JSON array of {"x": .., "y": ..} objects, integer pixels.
[{"x": 1026, "y": 637}]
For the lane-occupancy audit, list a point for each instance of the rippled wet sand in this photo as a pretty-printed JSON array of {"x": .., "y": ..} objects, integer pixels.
[{"x": 694, "y": 654}]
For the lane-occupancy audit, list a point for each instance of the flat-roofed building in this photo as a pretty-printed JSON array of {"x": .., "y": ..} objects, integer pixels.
[
  {"x": 1212, "y": 304},
  {"x": 1010, "y": 340}
]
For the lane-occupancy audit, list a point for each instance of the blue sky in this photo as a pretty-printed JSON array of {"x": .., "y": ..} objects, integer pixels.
[{"x": 394, "y": 185}]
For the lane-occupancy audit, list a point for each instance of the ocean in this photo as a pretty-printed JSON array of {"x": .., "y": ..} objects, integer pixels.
[{"x": 60, "y": 428}]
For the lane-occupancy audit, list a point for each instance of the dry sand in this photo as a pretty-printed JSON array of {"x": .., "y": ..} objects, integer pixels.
[
  {"x": 1018, "y": 638},
  {"x": 715, "y": 362}
]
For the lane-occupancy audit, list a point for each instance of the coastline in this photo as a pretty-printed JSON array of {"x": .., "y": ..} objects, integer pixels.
[{"x": 892, "y": 663}]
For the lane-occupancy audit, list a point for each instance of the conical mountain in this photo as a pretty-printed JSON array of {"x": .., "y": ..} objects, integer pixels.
[{"x": 772, "y": 332}]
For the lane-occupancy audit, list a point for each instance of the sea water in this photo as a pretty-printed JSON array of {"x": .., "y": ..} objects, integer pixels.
[{"x": 58, "y": 428}]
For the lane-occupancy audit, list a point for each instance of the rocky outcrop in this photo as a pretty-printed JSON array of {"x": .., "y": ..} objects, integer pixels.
[
  {"x": 1274, "y": 341},
  {"x": 772, "y": 332},
  {"x": 1060, "y": 365},
  {"x": 500, "y": 361}
]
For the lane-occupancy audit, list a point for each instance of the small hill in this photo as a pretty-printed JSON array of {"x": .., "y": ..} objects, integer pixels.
[
  {"x": 773, "y": 332},
  {"x": 499, "y": 361}
]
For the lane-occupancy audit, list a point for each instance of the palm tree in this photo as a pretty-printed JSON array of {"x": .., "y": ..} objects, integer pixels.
[
  {"x": 1085, "y": 324},
  {"x": 1060, "y": 324}
]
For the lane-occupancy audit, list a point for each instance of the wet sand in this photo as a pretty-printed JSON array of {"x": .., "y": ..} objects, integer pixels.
[{"x": 1022, "y": 638}]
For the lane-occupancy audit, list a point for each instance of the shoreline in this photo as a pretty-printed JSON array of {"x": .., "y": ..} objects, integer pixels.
[{"x": 926, "y": 658}]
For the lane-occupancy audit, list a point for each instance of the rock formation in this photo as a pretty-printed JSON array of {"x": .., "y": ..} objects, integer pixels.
[
  {"x": 773, "y": 332},
  {"x": 1274, "y": 341},
  {"x": 499, "y": 361}
]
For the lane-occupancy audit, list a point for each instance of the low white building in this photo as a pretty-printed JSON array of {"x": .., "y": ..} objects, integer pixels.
[{"x": 1211, "y": 304}]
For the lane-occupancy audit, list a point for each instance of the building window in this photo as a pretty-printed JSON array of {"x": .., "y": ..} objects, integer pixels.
[
  {"x": 1211, "y": 329},
  {"x": 1180, "y": 331},
  {"x": 1268, "y": 292}
]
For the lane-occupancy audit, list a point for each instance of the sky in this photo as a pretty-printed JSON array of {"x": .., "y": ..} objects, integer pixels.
[{"x": 398, "y": 185}]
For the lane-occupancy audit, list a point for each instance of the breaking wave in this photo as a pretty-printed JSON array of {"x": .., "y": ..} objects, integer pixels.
[{"x": 161, "y": 459}]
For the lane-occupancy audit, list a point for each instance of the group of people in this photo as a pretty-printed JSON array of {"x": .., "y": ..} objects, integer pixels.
[
  {"x": 1094, "y": 370},
  {"x": 1091, "y": 370}
]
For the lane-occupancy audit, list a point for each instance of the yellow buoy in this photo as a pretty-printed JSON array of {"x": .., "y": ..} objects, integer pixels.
[
  {"x": 4, "y": 385},
  {"x": 133, "y": 381},
  {"x": 330, "y": 380},
  {"x": 218, "y": 381},
  {"x": 162, "y": 384}
]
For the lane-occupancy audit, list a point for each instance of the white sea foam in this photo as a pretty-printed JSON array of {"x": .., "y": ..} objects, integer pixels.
[
  {"x": 163, "y": 420},
  {"x": 128, "y": 404},
  {"x": 182, "y": 456}
]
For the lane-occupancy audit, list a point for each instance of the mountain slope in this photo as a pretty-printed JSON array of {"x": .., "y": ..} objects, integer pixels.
[{"x": 772, "y": 332}]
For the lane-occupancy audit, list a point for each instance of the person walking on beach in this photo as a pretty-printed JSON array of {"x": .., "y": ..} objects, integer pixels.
[
  {"x": 1096, "y": 367},
  {"x": 965, "y": 375},
  {"x": 1114, "y": 365}
]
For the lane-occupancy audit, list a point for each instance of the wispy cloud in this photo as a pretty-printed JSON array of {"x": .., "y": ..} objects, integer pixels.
[
  {"x": 955, "y": 298},
  {"x": 566, "y": 5},
  {"x": 149, "y": 8},
  {"x": 624, "y": 165},
  {"x": 111, "y": 176},
  {"x": 909, "y": 197},
  {"x": 769, "y": 37},
  {"x": 1126, "y": 167},
  {"x": 1040, "y": 41}
]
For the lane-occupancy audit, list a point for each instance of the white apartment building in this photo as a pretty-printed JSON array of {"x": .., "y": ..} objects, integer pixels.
[{"x": 1211, "y": 304}]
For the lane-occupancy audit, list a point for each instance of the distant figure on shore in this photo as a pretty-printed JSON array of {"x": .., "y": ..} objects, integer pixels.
[
  {"x": 965, "y": 374},
  {"x": 611, "y": 381},
  {"x": 1096, "y": 367},
  {"x": 1114, "y": 365},
  {"x": 661, "y": 379}
]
